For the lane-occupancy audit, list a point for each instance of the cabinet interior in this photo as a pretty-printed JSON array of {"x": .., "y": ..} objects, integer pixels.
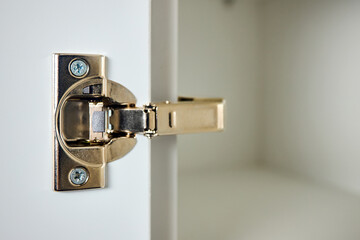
[{"x": 289, "y": 72}]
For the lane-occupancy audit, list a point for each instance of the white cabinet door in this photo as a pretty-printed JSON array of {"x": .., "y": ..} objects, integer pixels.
[{"x": 31, "y": 31}]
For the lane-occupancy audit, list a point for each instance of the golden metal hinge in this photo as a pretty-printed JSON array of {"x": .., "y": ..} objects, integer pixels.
[{"x": 96, "y": 120}]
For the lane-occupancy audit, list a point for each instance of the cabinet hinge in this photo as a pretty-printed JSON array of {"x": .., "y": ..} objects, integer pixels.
[{"x": 96, "y": 120}]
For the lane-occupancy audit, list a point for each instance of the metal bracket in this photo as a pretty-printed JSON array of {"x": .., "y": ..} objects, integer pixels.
[{"x": 96, "y": 120}]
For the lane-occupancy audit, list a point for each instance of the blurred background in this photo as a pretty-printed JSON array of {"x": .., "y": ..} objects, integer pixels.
[{"x": 288, "y": 164}]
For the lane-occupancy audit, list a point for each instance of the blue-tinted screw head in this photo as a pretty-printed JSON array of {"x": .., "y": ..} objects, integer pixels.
[
  {"x": 78, "y": 176},
  {"x": 79, "y": 68}
]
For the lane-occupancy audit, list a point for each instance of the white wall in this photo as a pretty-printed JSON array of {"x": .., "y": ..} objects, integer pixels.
[
  {"x": 218, "y": 46},
  {"x": 312, "y": 85}
]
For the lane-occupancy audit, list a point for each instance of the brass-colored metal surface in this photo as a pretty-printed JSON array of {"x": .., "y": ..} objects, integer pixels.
[
  {"x": 75, "y": 101},
  {"x": 96, "y": 120},
  {"x": 190, "y": 116}
]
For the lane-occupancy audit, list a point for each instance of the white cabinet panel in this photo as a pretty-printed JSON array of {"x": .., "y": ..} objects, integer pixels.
[{"x": 30, "y": 32}]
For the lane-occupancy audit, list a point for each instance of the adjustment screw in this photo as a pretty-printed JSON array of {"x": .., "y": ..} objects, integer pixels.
[
  {"x": 78, "y": 176},
  {"x": 78, "y": 68}
]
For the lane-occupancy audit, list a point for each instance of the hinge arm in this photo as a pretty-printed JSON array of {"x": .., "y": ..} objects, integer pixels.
[{"x": 188, "y": 115}]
